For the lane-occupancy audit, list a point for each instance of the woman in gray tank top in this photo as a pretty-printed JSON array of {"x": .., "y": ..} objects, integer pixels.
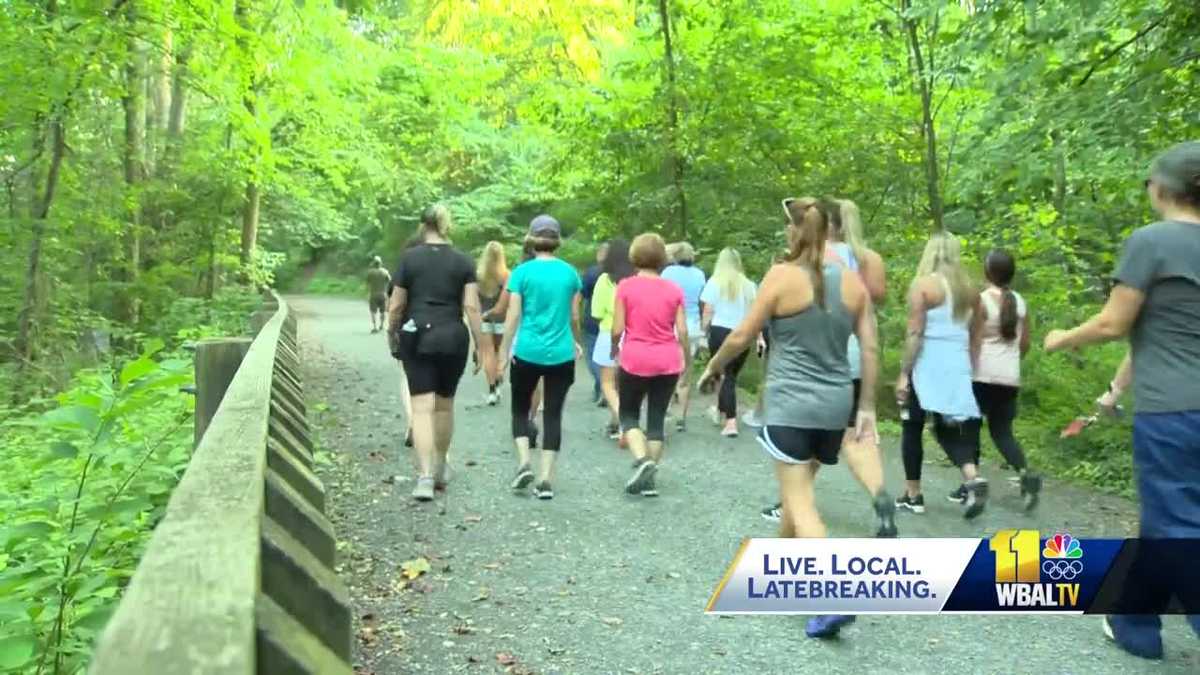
[{"x": 811, "y": 309}]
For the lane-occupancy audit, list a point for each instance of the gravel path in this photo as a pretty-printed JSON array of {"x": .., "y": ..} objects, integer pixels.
[{"x": 595, "y": 582}]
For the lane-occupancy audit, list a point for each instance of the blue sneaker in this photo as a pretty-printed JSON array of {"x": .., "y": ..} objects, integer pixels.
[
  {"x": 1144, "y": 643},
  {"x": 827, "y": 625}
]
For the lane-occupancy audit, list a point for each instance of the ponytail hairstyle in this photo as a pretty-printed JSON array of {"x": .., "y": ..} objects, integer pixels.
[
  {"x": 850, "y": 228},
  {"x": 808, "y": 228},
  {"x": 492, "y": 269},
  {"x": 616, "y": 263},
  {"x": 434, "y": 220},
  {"x": 943, "y": 257},
  {"x": 999, "y": 268}
]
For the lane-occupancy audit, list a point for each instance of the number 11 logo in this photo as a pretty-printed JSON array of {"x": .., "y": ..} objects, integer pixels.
[{"x": 1018, "y": 556}]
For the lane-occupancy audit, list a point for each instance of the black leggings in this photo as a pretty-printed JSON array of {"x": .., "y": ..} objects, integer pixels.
[
  {"x": 998, "y": 403},
  {"x": 960, "y": 440},
  {"x": 523, "y": 380},
  {"x": 656, "y": 389},
  {"x": 727, "y": 396}
]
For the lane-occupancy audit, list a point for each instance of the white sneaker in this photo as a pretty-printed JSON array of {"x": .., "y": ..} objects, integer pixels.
[
  {"x": 751, "y": 419},
  {"x": 493, "y": 398}
]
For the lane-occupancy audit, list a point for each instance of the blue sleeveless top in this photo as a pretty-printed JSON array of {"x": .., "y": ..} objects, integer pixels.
[
  {"x": 942, "y": 374},
  {"x": 853, "y": 351}
]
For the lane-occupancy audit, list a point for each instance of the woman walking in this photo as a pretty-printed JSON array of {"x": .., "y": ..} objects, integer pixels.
[
  {"x": 1156, "y": 303},
  {"x": 543, "y": 317},
  {"x": 690, "y": 279},
  {"x": 492, "y": 274},
  {"x": 727, "y": 297},
  {"x": 616, "y": 268},
  {"x": 432, "y": 289},
  {"x": 935, "y": 375},
  {"x": 997, "y": 381},
  {"x": 649, "y": 335},
  {"x": 811, "y": 307}
]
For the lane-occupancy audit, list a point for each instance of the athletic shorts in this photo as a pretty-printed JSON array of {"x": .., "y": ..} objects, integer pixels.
[
  {"x": 378, "y": 303},
  {"x": 793, "y": 445},
  {"x": 435, "y": 374},
  {"x": 854, "y": 405},
  {"x": 492, "y": 327},
  {"x": 602, "y": 352}
]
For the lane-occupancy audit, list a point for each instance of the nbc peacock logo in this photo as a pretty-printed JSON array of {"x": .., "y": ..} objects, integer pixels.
[
  {"x": 1033, "y": 575},
  {"x": 1061, "y": 557}
]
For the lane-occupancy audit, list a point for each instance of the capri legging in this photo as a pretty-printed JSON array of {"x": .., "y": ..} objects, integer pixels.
[
  {"x": 727, "y": 394},
  {"x": 656, "y": 390},
  {"x": 960, "y": 440},
  {"x": 523, "y": 380}
]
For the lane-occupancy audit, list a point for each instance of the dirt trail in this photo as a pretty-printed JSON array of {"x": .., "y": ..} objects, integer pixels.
[{"x": 594, "y": 582}]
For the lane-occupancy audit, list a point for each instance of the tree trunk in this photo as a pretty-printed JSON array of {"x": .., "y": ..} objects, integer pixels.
[
  {"x": 250, "y": 208},
  {"x": 133, "y": 157},
  {"x": 925, "y": 81},
  {"x": 40, "y": 213},
  {"x": 675, "y": 157}
]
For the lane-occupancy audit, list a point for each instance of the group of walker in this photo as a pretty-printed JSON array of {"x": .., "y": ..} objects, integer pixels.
[{"x": 649, "y": 310}]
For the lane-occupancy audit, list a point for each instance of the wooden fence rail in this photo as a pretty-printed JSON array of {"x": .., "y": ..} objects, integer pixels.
[{"x": 238, "y": 576}]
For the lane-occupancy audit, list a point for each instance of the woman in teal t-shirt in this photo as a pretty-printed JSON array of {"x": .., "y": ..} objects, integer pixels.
[{"x": 543, "y": 320}]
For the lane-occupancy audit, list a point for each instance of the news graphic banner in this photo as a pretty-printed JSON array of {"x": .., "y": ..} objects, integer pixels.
[{"x": 1012, "y": 571}]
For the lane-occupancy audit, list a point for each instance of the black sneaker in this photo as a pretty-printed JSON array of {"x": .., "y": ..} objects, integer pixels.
[
  {"x": 648, "y": 487},
  {"x": 543, "y": 490},
  {"x": 613, "y": 431},
  {"x": 773, "y": 513},
  {"x": 977, "y": 494},
  {"x": 681, "y": 425},
  {"x": 1031, "y": 488},
  {"x": 533, "y": 434},
  {"x": 959, "y": 496},
  {"x": 914, "y": 504},
  {"x": 637, "y": 481},
  {"x": 408, "y": 439},
  {"x": 885, "y": 511},
  {"x": 523, "y": 478}
]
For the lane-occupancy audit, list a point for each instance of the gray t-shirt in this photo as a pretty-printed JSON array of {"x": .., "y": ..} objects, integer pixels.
[{"x": 1163, "y": 261}]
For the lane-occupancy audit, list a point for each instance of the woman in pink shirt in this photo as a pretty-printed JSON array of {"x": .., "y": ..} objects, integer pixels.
[{"x": 649, "y": 311}]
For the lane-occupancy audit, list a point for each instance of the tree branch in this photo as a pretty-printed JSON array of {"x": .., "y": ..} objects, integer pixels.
[{"x": 1118, "y": 49}]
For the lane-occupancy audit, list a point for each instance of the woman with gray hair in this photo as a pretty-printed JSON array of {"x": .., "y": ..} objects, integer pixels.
[
  {"x": 690, "y": 279},
  {"x": 1156, "y": 304}
]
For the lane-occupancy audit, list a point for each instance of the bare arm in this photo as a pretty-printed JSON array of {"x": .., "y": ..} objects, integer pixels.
[
  {"x": 706, "y": 316},
  {"x": 397, "y": 303},
  {"x": 511, "y": 320},
  {"x": 915, "y": 334},
  {"x": 975, "y": 331},
  {"x": 618, "y": 325},
  {"x": 470, "y": 303},
  {"x": 1113, "y": 322},
  {"x": 681, "y": 333},
  {"x": 576, "y": 325},
  {"x": 1025, "y": 334},
  {"x": 868, "y": 341},
  {"x": 1121, "y": 381},
  {"x": 874, "y": 275},
  {"x": 500, "y": 309}
]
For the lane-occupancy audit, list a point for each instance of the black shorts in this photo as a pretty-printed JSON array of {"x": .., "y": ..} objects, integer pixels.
[
  {"x": 854, "y": 405},
  {"x": 378, "y": 303},
  {"x": 435, "y": 374},
  {"x": 793, "y": 445}
]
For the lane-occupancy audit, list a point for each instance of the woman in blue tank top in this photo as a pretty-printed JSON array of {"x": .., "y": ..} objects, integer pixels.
[{"x": 944, "y": 320}]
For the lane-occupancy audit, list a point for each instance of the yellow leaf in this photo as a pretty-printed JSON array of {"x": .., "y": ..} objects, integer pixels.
[{"x": 411, "y": 569}]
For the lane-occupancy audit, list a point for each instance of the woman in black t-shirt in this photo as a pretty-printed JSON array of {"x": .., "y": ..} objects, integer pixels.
[{"x": 433, "y": 287}]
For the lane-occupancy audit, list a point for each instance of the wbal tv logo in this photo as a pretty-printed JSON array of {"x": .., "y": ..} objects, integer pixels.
[{"x": 1028, "y": 575}]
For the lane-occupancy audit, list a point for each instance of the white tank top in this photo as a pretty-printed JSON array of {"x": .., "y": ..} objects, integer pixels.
[{"x": 1000, "y": 359}]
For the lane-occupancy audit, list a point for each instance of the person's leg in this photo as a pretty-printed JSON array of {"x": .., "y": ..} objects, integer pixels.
[
  {"x": 728, "y": 397},
  {"x": 796, "y": 482},
  {"x": 960, "y": 441},
  {"x": 589, "y": 346},
  {"x": 862, "y": 457},
  {"x": 912, "y": 450},
  {"x": 658, "y": 400},
  {"x": 522, "y": 378},
  {"x": 443, "y": 431},
  {"x": 608, "y": 383},
  {"x": 631, "y": 390},
  {"x": 1001, "y": 413},
  {"x": 557, "y": 381}
]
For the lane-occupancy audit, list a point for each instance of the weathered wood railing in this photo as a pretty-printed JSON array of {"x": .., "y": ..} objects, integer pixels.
[{"x": 238, "y": 576}]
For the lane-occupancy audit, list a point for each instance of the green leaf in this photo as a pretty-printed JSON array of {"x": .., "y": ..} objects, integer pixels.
[
  {"x": 153, "y": 346},
  {"x": 411, "y": 569},
  {"x": 73, "y": 416},
  {"x": 63, "y": 450},
  {"x": 135, "y": 369},
  {"x": 95, "y": 620},
  {"x": 16, "y": 651}
]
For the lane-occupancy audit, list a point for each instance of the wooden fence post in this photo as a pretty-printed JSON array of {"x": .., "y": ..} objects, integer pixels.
[{"x": 217, "y": 360}]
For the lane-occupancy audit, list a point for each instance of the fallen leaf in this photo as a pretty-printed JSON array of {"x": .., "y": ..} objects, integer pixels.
[
  {"x": 673, "y": 575},
  {"x": 463, "y": 629},
  {"x": 492, "y": 566},
  {"x": 505, "y": 659},
  {"x": 483, "y": 595},
  {"x": 473, "y": 519},
  {"x": 612, "y": 621},
  {"x": 411, "y": 569}
]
